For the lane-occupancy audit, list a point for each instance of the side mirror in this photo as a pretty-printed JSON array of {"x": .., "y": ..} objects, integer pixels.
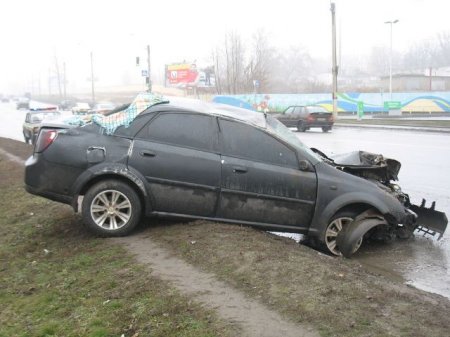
[{"x": 305, "y": 165}]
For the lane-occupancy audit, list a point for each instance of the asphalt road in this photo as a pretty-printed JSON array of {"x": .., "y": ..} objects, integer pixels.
[{"x": 425, "y": 158}]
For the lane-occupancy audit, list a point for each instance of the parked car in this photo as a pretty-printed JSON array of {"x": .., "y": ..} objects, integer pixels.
[
  {"x": 81, "y": 108},
  {"x": 103, "y": 108},
  {"x": 66, "y": 105},
  {"x": 307, "y": 117},
  {"x": 207, "y": 161},
  {"x": 33, "y": 120},
  {"x": 23, "y": 103}
]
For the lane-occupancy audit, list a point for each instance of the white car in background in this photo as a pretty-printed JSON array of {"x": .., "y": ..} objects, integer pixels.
[{"x": 81, "y": 108}]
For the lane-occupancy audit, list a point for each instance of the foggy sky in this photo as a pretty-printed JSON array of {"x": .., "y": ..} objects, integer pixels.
[{"x": 34, "y": 31}]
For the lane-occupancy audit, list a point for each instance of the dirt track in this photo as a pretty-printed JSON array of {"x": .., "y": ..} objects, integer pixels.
[{"x": 254, "y": 318}]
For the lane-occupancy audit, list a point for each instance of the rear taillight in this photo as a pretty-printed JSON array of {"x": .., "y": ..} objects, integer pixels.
[
  {"x": 330, "y": 118},
  {"x": 46, "y": 137}
]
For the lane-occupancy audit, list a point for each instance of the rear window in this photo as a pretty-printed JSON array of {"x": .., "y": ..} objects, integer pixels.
[
  {"x": 181, "y": 129},
  {"x": 318, "y": 109}
]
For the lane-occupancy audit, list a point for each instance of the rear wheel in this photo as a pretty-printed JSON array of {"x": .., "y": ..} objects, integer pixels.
[
  {"x": 111, "y": 208},
  {"x": 326, "y": 128},
  {"x": 301, "y": 127},
  {"x": 335, "y": 226}
]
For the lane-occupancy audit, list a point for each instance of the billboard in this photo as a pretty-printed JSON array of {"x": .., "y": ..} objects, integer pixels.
[
  {"x": 188, "y": 75},
  {"x": 181, "y": 74}
]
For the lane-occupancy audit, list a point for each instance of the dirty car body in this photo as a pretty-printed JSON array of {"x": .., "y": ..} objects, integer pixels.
[{"x": 197, "y": 160}]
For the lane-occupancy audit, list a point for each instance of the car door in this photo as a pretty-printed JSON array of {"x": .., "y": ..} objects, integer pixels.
[
  {"x": 286, "y": 116},
  {"x": 261, "y": 179},
  {"x": 176, "y": 154}
]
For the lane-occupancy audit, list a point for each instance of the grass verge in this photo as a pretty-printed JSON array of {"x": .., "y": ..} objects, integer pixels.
[
  {"x": 58, "y": 280},
  {"x": 334, "y": 295}
]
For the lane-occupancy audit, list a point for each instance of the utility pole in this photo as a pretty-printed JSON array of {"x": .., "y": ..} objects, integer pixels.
[
  {"x": 58, "y": 74},
  {"x": 49, "y": 82},
  {"x": 65, "y": 81},
  {"x": 92, "y": 78},
  {"x": 431, "y": 79},
  {"x": 149, "y": 81},
  {"x": 334, "y": 68}
]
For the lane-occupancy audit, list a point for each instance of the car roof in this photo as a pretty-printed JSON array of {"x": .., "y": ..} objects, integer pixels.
[
  {"x": 43, "y": 111},
  {"x": 213, "y": 109}
]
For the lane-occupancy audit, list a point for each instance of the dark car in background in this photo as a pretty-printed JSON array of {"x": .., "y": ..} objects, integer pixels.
[
  {"x": 33, "y": 120},
  {"x": 207, "y": 161},
  {"x": 23, "y": 103},
  {"x": 66, "y": 105},
  {"x": 307, "y": 117}
]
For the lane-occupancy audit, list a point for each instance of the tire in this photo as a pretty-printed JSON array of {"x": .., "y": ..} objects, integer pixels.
[
  {"x": 326, "y": 128},
  {"x": 101, "y": 214},
  {"x": 300, "y": 127},
  {"x": 335, "y": 225}
]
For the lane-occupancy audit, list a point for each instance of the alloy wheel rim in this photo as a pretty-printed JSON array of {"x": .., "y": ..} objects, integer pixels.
[
  {"x": 111, "y": 210},
  {"x": 333, "y": 229}
]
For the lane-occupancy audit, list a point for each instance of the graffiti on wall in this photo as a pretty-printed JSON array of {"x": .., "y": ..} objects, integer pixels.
[{"x": 347, "y": 102}]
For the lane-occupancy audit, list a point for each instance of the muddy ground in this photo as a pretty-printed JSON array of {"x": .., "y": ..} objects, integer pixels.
[{"x": 337, "y": 297}]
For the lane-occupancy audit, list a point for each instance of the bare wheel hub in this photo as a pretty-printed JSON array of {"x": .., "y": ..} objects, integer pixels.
[{"x": 333, "y": 229}]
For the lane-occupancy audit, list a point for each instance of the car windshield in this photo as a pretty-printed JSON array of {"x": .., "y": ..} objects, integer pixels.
[
  {"x": 39, "y": 117},
  {"x": 276, "y": 127},
  {"x": 316, "y": 109}
]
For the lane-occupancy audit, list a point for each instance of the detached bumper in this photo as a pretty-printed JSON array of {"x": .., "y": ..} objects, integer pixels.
[{"x": 429, "y": 221}]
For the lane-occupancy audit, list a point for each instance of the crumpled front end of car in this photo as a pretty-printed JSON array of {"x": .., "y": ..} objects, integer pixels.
[{"x": 383, "y": 171}]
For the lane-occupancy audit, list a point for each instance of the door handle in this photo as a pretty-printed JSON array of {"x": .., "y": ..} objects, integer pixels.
[
  {"x": 239, "y": 169},
  {"x": 147, "y": 154}
]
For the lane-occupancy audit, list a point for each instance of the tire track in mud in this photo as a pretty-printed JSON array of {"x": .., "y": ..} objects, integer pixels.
[{"x": 252, "y": 317}]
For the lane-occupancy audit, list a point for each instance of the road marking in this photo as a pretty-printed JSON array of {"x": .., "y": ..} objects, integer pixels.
[{"x": 12, "y": 157}]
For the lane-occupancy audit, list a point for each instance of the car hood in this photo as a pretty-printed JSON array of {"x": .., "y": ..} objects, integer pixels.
[{"x": 367, "y": 165}]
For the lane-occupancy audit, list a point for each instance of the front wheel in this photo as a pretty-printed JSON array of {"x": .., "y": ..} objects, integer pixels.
[
  {"x": 336, "y": 224},
  {"x": 111, "y": 208}
]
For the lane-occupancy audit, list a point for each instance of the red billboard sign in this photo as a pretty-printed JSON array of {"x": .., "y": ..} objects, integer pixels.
[{"x": 181, "y": 74}]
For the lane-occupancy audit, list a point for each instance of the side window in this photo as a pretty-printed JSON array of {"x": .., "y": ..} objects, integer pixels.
[
  {"x": 298, "y": 109},
  {"x": 289, "y": 110},
  {"x": 181, "y": 129},
  {"x": 244, "y": 141}
]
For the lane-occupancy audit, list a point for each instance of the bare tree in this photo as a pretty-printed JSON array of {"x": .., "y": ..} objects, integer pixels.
[
  {"x": 443, "y": 51},
  {"x": 58, "y": 75},
  {"x": 229, "y": 65},
  {"x": 291, "y": 72},
  {"x": 260, "y": 63}
]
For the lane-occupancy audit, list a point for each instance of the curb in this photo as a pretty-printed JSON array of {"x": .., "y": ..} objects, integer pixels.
[{"x": 395, "y": 127}]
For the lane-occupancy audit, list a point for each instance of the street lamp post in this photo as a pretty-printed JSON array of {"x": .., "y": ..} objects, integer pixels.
[
  {"x": 390, "y": 59},
  {"x": 92, "y": 78}
]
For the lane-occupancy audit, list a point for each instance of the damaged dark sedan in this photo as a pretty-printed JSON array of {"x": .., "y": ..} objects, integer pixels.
[{"x": 197, "y": 160}]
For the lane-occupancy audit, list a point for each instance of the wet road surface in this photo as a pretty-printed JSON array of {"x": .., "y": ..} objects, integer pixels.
[
  {"x": 425, "y": 173},
  {"x": 425, "y": 158}
]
